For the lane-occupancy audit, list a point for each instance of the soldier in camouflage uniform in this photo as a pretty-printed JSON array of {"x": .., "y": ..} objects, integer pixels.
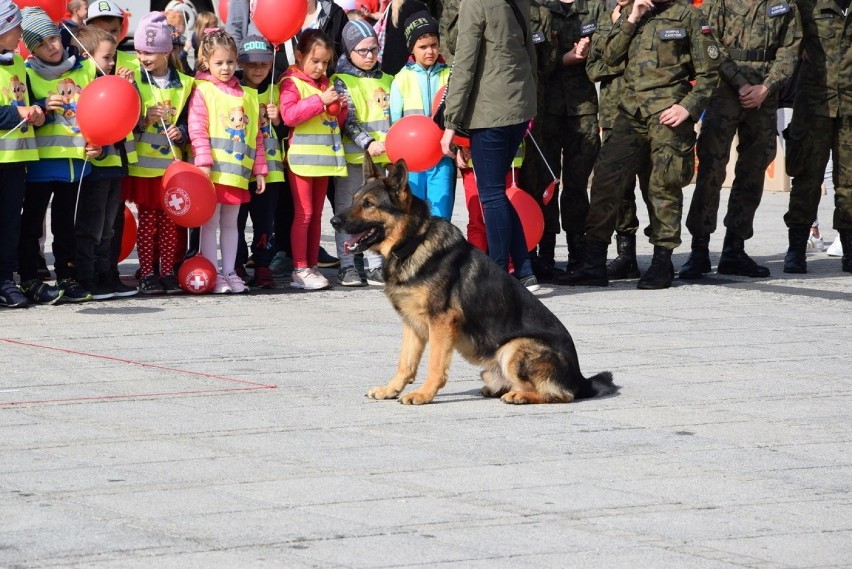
[
  {"x": 759, "y": 45},
  {"x": 624, "y": 266},
  {"x": 570, "y": 135},
  {"x": 821, "y": 124},
  {"x": 664, "y": 46}
]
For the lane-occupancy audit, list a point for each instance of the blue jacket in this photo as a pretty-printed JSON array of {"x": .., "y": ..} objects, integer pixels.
[{"x": 429, "y": 81}]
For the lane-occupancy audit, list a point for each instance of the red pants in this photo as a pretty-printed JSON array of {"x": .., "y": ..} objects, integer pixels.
[{"x": 308, "y": 200}]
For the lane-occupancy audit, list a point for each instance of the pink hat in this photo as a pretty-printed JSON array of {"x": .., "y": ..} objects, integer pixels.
[{"x": 153, "y": 34}]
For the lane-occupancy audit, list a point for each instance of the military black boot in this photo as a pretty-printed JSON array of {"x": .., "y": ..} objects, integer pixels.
[
  {"x": 591, "y": 270},
  {"x": 846, "y": 243},
  {"x": 661, "y": 272},
  {"x": 576, "y": 242},
  {"x": 624, "y": 266},
  {"x": 795, "y": 261},
  {"x": 735, "y": 261},
  {"x": 698, "y": 263},
  {"x": 544, "y": 263}
]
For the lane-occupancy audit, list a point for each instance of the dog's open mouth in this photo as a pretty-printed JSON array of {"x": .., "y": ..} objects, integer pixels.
[{"x": 361, "y": 241}]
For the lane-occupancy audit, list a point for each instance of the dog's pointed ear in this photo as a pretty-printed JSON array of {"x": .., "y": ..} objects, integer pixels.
[
  {"x": 371, "y": 172},
  {"x": 399, "y": 176}
]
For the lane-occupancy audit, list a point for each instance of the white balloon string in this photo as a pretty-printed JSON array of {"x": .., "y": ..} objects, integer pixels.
[
  {"x": 19, "y": 125},
  {"x": 159, "y": 102},
  {"x": 86, "y": 51}
]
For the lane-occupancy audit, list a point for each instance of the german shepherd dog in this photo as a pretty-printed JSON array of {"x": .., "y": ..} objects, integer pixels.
[{"x": 451, "y": 295}]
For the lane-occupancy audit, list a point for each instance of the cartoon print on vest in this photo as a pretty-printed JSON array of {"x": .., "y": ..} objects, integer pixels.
[
  {"x": 16, "y": 91},
  {"x": 382, "y": 99},
  {"x": 69, "y": 91},
  {"x": 266, "y": 128},
  {"x": 169, "y": 114},
  {"x": 235, "y": 126},
  {"x": 332, "y": 126}
]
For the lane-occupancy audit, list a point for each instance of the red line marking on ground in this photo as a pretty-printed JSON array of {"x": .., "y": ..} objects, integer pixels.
[{"x": 252, "y": 386}]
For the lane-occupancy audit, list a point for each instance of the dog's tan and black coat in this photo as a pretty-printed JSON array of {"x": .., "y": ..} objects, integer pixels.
[{"x": 452, "y": 296}]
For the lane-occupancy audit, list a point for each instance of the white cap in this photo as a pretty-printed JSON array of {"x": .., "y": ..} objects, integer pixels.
[{"x": 104, "y": 9}]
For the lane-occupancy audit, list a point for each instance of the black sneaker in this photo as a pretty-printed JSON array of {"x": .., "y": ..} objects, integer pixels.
[
  {"x": 74, "y": 291},
  {"x": 530, "y": 283},
  {"x": 99, "y": 290},
  {"x": 119, "y": 289},
  {"x": 11, "y": 296},
  {"x": 326, "y": 261},
  {"x": 150, "y": 285},
  {"x": 375, "y": 277},
  {"x": 41, "y": 293},
  {"x": 43, "y": 272},
  {"x": 348, "y": 276},
  {"x": 169, "y": 284}
]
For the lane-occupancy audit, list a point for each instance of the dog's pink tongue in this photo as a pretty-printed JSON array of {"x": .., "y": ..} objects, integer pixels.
[{"x": 351, "y": 243}]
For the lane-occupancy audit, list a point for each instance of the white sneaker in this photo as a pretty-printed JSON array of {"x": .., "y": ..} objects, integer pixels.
[
  {"x": 308, "y": 279},
  {"x": 221, "y": 286},
  {"x": 836, "y": 249},
  {"x": 237, "y": 284}
]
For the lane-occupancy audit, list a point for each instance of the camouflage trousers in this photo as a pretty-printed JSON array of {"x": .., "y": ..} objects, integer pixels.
[
  {"x": 626, "y": 220},
  {"x": 574, "y": 143},
  {"x": 633, "y": 140},
  {"x": 810, "y": 139},
  {"x": 756, "y": 128}
]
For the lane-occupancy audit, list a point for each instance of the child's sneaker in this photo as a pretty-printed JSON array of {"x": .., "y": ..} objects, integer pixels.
[
  {"x": 815, "y": 244},
  {"x": 280, "y": 264},
  {"x": 530, "y": 283},
  {"x": 74, "y": 292},
  {"x": 375, "y": 277},
  {"x": 119, "y": 289},
  {"x": 11, "y": 296},
  {"x": 836, "y": 248},
  {"x": 170, "y": 285},
  {"x": 241, "y": 272},
  {"x": 348, "y": 276},
  {"x": 150, "y": 285},
  {"x": 236, "y": 283},
  {"x": 221, "y": 286},
  {"x": 39, "y": 292},
  {"x": 99, "y": 290},
  {"x": 263, "y": 278},
  {"x": 327, "y": 261},
  {"x": 308, "y": 279}
]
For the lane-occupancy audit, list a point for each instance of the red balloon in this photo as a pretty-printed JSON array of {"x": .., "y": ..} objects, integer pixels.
[
  {"x": 223, "y": 11},
  {"x": 55, "y": 8},
  {"x": 128, "y": 236},
  {"x": 333, "y": 108},
  {"x": 532, "y": 218},
  {"x": 458, "y": 140},
  {"x": 197, "y": 275},
  {"x": 279, "y": 20},
  {"x": 107, "y": 110},
  {"x": 189, "y": 197},
  {"x": 125, "y": 26},
  {"x": 416, "y": 139}
]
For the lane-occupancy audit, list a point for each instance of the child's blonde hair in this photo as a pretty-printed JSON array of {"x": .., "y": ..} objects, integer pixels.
[
  {"x": 90, "y": 37},
  {"x": 203, "y": 21},
  {"x": 208, "y": 42}
]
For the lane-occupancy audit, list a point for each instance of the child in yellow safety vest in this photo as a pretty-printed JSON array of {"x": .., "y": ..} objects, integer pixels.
[
  {"x": 255, "y": 57},
  {"x": 18, "y": 117},
  {"x": 160, "y": 135},
  {"x": 315, "y": 151},
  {"x": 412, "y": 93},
  {"x": 224, "y": 128},
  {"x": 56, "y": 76},
  {"x": 365, "y": 90}
]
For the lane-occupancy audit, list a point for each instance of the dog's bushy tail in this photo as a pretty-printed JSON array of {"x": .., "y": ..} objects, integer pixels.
[{"x": 597, "y": 386}]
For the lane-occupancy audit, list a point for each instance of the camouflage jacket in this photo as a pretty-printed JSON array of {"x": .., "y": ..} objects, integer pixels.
[
  {"x": 759, "y": 40},
  {"x": 671, "y": 45},
  {"x": 610, "y": 78},
  {"x": 568, "y": 90},
  {"x": 825, "y": 82}
]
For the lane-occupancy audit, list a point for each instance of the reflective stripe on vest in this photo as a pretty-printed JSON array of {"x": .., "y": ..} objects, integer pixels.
[
  {"x": 20, "y": 144},
  {"x": 271, "y": 145},
  {"x": 59, "y": 136},
  {"x": 316, "y": 147},
  {"x": 408, "y": 83},
  {"x": 371, "y": 98},
  {"x": 152, "y": 144},
  {"x": 233, "y": 128}
]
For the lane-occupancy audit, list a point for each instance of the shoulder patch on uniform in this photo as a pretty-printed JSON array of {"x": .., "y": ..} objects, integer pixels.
[
  {"x": 673, "y": 34},
  {"x": 712, "y": 52},
  {"x": 706, "y": 29},
  {"x": 538, "y": 37},
  {"x": 588, "y": 29},
  {"x": 777, "y": 9}
]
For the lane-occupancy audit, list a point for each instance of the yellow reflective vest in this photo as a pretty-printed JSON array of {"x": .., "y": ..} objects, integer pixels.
[
  {"x": 152, "y": 145},
  {"x": 371, "y": 98},
  {"x": 316, "y": 146},
  {"x": 20, "y": 144},
  {"x": 271, "y": 144},
  {"x": 233, "y": 124},
  {"x": 59, "y": 136},
  {"x": 409, "y": 87}
]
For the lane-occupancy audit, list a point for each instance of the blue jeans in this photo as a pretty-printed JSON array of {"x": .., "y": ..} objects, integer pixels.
[{"x": 492, "y": 151}]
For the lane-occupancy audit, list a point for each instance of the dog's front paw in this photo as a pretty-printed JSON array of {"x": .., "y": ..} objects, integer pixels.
[
  {"x": 383, "y": 392},
  {"x": 415, "y": 398},
  {"x": 516, "y": 398}
]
